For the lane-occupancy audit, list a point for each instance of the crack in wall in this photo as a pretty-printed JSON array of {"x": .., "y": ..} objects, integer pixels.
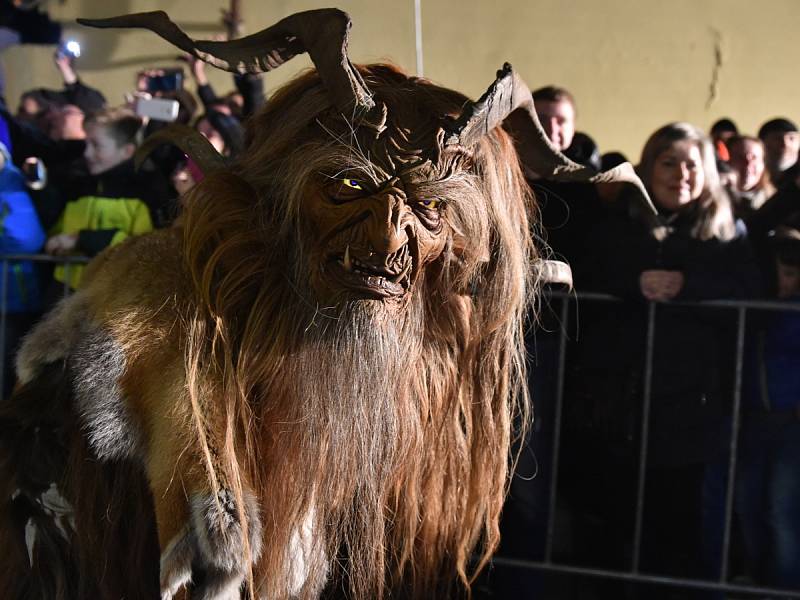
[{"x": 713, "y": 86}]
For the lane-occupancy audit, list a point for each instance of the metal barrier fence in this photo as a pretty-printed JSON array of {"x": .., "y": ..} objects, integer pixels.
[
  {"x": 635, "y": 574},
  {"x": 548, "y": 564}
]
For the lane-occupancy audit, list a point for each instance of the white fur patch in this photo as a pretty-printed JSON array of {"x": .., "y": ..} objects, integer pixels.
[
  {"x": 30, "y": 538},
  {"x": 176, "y": 563},
  {"x": 214, "y": 545},
  {"x": 56, "y": 508},
  {"x": 301, "y": 549},
  {"x": 53, "y": 338},
  {"x": 97, "y": 363}
]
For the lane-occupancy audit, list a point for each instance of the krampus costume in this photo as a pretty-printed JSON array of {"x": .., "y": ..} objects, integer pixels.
[{"x": 308, "y": 388}]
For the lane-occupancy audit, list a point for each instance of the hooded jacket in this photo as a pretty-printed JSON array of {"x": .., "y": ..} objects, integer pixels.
[
  {"x": 21, "y": 234},
  {"x": 107, "y": 209}
]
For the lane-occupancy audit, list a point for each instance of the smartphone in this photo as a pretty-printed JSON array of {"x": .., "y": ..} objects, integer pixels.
[
  {"x": 159, "y": 109},
  {"x": 35, "y": 173},
  {"x": 167, "y": 81}
]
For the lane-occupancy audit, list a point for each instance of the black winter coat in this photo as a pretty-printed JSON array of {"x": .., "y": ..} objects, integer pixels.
[{"x": 694, "y": 348}]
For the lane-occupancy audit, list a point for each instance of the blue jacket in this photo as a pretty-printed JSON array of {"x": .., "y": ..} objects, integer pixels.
[
  {"x": 20, "y": 233},
  {"x": 5, "y": 134},
  {"x": 772, "y": 383}
]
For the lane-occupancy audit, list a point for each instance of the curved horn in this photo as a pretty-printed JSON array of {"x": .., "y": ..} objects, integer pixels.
[
  {"x": 193, "y": 144},
  {"x": 322, "y": 33},
  {"x": 508, "y": 102}
]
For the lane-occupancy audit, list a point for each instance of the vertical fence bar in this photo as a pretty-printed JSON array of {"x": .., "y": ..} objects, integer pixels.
[
  {"x": 559, "y": 400},
  {"x": 741, "y": 313},
  {"x": 3, "y": 316},
  {"x": 648, "y": 380}
]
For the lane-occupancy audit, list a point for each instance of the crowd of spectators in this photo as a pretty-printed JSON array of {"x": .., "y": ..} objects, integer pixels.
[
  {"x": 728, "y": 227},
  {"x": 68, "y": 185}
]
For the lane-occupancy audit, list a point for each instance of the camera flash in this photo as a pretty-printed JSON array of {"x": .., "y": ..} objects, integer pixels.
[{"x": 74, "y": 48}]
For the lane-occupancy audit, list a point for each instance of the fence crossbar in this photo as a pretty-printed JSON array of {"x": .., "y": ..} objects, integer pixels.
[{"x": 514, "y": 563}]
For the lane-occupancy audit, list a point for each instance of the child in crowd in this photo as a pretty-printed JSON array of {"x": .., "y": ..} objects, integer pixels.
[{"x": 112, "y": 203}]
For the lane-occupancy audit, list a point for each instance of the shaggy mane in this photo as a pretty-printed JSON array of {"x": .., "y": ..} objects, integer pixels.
[{"x": 385, "y": 432}]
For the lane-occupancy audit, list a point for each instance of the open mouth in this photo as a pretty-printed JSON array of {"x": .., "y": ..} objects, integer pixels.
[{"x": 373, "y": 276}]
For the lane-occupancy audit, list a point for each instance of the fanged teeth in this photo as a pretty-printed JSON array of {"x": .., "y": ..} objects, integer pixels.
[
  {"x": 351, "y": 263},
  {"x": 348, "y": 266}
]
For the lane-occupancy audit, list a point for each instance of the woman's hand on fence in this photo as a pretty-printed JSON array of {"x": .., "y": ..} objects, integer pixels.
[
  {"x": 659, "y": 285},
  {"x": 60, "y": 244}
]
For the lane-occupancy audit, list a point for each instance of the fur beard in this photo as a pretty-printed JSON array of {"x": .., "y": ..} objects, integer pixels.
[
  {"x": 353, "y": 365},
  {"x": 350, "y": 381}
]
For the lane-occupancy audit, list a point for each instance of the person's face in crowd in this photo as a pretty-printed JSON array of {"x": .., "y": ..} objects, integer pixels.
[
  {"x": 182, "y": 180},
  {"x": 678, "y": 176},
  {"x": 205, "y": 129},
  {"x": 781, "y": 149},
  {"x": 28, "y": 109},
  {"x": 747, "y": 158},
  {"x": 788, "y": 280},
  {"x": 103, "y": 152},
  {"x": 68, "y": 124},
  {"x": 558, "y": 121}
]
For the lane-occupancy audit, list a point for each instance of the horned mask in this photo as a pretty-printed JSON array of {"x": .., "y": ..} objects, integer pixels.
[{"x": 376, "y": 227}]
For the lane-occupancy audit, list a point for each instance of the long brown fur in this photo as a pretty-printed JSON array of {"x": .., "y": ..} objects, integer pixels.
[
  {"x": 380, "y": 429},
  {"x": 408, "y": 475}
]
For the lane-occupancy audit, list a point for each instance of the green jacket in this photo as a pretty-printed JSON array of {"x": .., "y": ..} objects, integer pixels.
[{"x": 111, "y": 212}]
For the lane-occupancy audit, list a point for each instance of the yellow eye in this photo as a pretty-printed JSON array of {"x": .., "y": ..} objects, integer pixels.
[
  {"x": 430, "y": 203},
  {"x": 352, "y": 183}
]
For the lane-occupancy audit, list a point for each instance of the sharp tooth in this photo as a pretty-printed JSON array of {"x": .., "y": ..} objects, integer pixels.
[{"x": 347, "y": 264}]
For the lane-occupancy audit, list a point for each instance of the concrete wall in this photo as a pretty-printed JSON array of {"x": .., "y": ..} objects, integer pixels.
[{"x": 633, "y": 65}]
